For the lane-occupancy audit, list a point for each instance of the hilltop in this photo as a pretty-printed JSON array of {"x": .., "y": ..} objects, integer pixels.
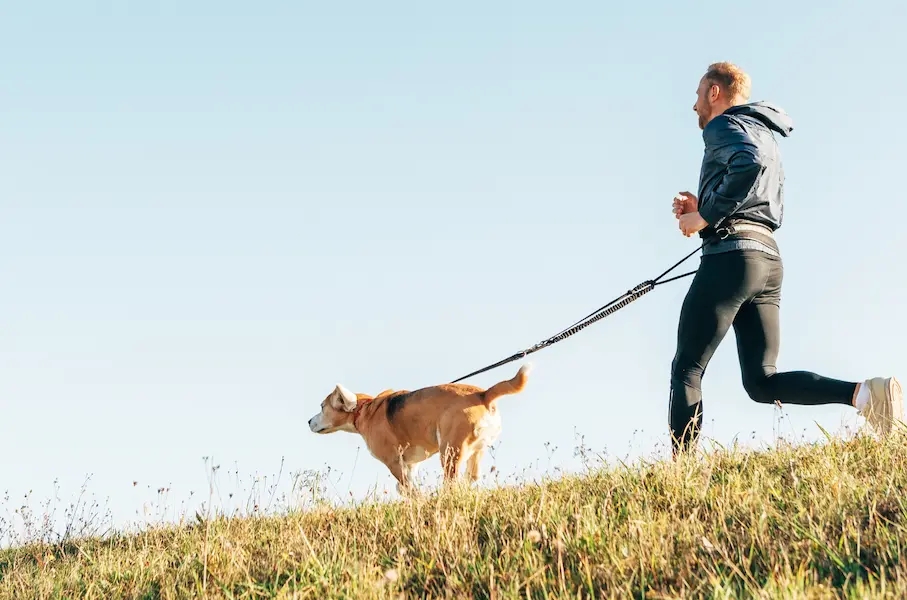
[{"x": 810, "y": 521}]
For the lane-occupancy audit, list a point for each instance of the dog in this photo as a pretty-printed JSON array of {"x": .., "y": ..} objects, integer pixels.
[{"x": 403, "y": 428}]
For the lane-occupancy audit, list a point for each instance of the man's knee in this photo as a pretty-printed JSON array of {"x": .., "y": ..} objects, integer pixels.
[
  {"x": 759, "y": 388},
  {"x": 686, "y": 372}
]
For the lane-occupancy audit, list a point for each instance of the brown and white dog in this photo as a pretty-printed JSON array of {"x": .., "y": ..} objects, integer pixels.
[{"x": 402, "y": 428}]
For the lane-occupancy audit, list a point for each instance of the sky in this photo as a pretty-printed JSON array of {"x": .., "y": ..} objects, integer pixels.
[{"x": 213, "y": 212}]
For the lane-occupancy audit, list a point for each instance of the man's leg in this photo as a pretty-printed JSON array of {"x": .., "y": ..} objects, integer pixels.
[
  {"x": 758, "y": 336},
  {"x": 718, "y": 290},
  {"x": 758, "y": 330}
]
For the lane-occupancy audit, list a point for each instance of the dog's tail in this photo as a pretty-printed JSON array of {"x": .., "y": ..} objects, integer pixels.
[{"x": 512, "y": 386}]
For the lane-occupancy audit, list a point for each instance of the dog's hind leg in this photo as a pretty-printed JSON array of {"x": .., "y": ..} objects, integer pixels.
[
  {"x": 451, "y": 460},
  {"x": 474, "y": 463}
]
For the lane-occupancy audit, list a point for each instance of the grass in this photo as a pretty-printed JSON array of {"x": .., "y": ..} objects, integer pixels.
[{"x": 808, "y": 521}]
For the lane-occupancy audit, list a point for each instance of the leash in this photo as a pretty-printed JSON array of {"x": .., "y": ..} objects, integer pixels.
[{"x": 608, "y": 309}]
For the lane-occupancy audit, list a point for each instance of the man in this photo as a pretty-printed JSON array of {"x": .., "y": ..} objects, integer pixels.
[{"x": 740, "y": 205}]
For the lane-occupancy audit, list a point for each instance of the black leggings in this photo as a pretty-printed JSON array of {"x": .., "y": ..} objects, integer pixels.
[{"x": 740, "y": 288}]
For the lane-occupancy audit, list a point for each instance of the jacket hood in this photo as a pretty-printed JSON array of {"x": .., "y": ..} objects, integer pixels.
[{"x": 772, "y": 116}]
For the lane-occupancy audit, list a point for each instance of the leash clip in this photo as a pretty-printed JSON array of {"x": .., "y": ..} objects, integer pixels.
[{"x": 725, "y": 232}]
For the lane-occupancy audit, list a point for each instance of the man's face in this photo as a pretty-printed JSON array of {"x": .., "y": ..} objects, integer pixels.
[{"x": 703, "y": 106}]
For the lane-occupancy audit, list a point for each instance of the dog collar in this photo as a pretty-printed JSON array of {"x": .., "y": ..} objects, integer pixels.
[{"x": 358, "y": 411}]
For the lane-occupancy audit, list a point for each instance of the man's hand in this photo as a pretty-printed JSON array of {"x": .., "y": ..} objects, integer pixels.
[
  {"x": 692, "y": 223},
  {"x": 684, "y": 203}
]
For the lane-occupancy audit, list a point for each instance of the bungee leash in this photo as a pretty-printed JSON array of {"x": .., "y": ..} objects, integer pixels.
[{"x": 608, "y": 309}]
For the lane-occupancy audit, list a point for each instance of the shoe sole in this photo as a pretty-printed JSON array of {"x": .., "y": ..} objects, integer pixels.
[{"x": 897, "y": 401}]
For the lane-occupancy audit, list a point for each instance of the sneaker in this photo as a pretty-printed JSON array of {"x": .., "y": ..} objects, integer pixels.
[{"x": 886, "y": 404}]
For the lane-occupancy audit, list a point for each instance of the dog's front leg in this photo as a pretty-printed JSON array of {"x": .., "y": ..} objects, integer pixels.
[
  {"x": 407, "y": 487},
  {"x": 404, "y": 474}
]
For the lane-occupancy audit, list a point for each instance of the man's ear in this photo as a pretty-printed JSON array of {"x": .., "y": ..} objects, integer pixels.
[
  {"x": 343, "y": 399},
  {"x": 714, "y": 92}
]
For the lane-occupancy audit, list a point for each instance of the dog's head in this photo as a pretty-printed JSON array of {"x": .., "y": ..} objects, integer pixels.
[{"x": 336, "y": 412}]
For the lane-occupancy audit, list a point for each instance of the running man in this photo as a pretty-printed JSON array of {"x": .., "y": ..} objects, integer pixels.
[{"x": 738, "y": 284}]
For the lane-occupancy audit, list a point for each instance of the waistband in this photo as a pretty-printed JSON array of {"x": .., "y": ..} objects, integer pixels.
[
  {"x": 725, "y": 231},
  {"x": 742, "y": 235}
]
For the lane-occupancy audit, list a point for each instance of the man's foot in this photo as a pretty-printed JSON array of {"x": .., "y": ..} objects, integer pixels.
[{"x": 885, "y": 405}]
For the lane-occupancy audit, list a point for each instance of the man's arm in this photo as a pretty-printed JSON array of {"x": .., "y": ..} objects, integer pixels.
[{"x": 734, "y": 148}]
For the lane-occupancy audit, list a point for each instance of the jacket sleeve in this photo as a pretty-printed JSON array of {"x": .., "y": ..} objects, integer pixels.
[{"x": 730, "y": 145}]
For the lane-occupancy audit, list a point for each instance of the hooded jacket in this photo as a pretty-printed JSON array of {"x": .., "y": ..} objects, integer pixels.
[{"x": 741, "y": 176}]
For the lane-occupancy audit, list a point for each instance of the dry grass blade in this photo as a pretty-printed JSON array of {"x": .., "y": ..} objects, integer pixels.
[{"x": 814, "y": 521}]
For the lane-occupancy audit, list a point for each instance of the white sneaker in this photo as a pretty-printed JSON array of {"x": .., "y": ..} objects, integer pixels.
[{"x": 886, "y": 404}]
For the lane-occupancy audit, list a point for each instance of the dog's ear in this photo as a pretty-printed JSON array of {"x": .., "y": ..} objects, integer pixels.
[{"x": 343, "y": 399}]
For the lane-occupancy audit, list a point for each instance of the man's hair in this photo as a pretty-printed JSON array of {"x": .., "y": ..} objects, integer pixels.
[{"x": 731, "y": 78}]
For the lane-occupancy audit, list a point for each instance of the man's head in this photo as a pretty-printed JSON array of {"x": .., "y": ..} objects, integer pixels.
[{"x": 724, "y": 85}]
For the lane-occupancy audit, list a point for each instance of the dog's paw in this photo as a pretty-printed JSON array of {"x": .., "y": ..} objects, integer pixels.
[{"x": 409, "y": 491}]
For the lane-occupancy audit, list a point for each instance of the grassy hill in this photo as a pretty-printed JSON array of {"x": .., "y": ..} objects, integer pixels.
[{"x": 812, "y": 521}]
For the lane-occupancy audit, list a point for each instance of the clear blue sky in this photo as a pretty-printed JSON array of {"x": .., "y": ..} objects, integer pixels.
[{"x": 210, "y": 216}]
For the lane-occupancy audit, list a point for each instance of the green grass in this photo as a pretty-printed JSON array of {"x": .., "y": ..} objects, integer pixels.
[{"x": 811, "y": 521}]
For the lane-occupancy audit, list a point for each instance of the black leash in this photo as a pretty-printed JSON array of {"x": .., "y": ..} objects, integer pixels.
[{"x": 610, "y": 308}]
